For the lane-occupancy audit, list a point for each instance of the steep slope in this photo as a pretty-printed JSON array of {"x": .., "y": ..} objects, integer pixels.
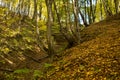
[
  {"x": 96, "y": 58},
  {"x": 18, "y": 46}
]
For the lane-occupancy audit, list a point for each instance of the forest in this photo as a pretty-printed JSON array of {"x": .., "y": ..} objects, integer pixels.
[{"x": 59, "y": 39}]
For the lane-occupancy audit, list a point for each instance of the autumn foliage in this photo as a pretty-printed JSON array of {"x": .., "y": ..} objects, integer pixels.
[{"x": 96, "y": 58}]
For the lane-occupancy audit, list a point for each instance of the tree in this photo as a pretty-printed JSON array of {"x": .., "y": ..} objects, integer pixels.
[
  {"x": 66, "y": 15},
  {"x": 83, "y": 15},
  {"x": 64, "y": 30},
  {"x": 116, "y": 2},
  {"x": 107, "y": 8},
  {"x": 49, "y": 28},
  {"x": 76, "y": 15},
  {"x": 35, "y": 10}
]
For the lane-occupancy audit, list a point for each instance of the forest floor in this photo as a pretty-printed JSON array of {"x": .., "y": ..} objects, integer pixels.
[{"x": 96, "y": 58}]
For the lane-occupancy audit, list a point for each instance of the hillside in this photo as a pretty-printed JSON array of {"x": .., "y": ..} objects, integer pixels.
[
  {"x": 96, "y": 58},
  {"x": 18, "y": 47}
]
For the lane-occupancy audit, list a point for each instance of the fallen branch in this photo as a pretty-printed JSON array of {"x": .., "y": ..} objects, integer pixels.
[{"x": 6, "y": 70}]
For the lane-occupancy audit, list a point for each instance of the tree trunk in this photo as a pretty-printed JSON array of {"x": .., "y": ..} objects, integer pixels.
[
  {"x": 101, "y": 11},
  {"x": 107, "y": 8},
  {"x": 116, "y": 5},
  {"x": 84, "y": 20},
  {"x": 35, "y": 10},
  {"x": 75, "y": 8},
  {"x": 28, "y": 11},
  {"x": 70, "y": 41},
  {"x": 88, "y": 10},
  {"x": 49, "y": 28},
  {"x": 91, "y": 12},
  {"x": 40, "y": 11}
]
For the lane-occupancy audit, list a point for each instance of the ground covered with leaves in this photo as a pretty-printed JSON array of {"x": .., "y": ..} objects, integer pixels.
[
  {"x": 19, "y": 51},
  {"x": 96, "y": 58}
]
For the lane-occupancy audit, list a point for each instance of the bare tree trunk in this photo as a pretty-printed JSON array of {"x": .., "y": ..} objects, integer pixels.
[
  {"x": 35, "y": 10},
  {"x": 101, "y": 12},
  {"x": 73, "y": 35},
  {"x": 85, "y": 11},
  {"x": 88, "y": 10},
  {"x": 94, "y": 11},
  {"x": 75, "y": 7},
  {"x": 91, "y": 12},
  {"x": 84, "y": 20},
  {"x": 28, "y": 11},
  {"x": 40, "y": 11},
  {"x": 49, "y": 28}
]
